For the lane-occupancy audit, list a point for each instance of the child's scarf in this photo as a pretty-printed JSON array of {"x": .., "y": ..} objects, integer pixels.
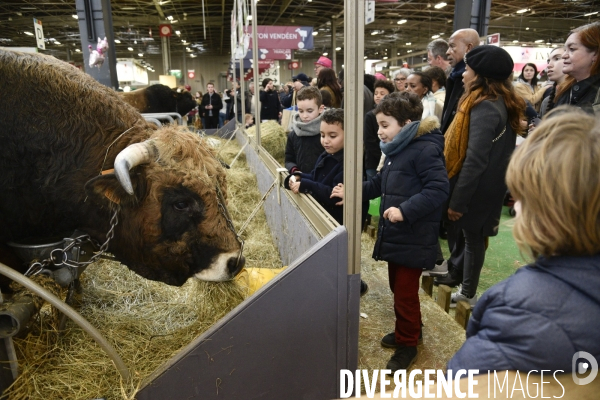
[
  {"x": 401, "y": 140},
  {"x": 310, "y": 128},
  {"x": 457, "y": 135}
]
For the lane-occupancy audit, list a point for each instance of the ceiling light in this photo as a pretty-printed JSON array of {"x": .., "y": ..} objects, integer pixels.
[
  {"x": 326, "y": 54},
  {"x": 592, "y": 13},
  {"x": 435, "y": 36},
  {"x": 249, "y": 18},
  {"x": 365, "y": 57},
  {"x": 374, "y": 32},
  {"x": 117, "y": 41},
  {"x": 539, "y": 41},
  {"x": 315, "y": 33},
  {"x": 385, "y": 58},
  {"x": 183, "y": 41},
  {"x": 28, "y": 33},
  {"x": 408, "y": 43},
  {"x": 515, "y": 41},
  {"x": 440, "y": 5},
  {"x": 78, "y": 51},
  {"x": 402, "y": 21},
  {"x": 174, "y": 21},
  {"x": 75, "y": 16},
  {"x": 527, "y": 28},
  {"x": 130, "y": 48},
  {"x": 135, "y": 42},
  {"x": 523, "y": 10},
  {"x": 338, "y": 48},
  {"x": 141, "y": 54},
  {"x": 56, "y": 42},
  {"x": 409, "y": 51},
  {"x": 170, "y": 17},
  {"x": 178, "y": 33}
]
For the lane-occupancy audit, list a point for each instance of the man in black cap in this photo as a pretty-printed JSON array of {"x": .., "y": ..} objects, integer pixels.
[{"x": 300, "y": 81}]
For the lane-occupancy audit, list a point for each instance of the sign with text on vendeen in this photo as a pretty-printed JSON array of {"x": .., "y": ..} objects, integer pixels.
[{"x": 283, "y": 37}]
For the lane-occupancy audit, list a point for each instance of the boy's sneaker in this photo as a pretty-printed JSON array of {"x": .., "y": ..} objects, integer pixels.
[
  {"x": 389, "y": 340},
  {"x": 438, "y": 270},
  {"x": 364, "y": 288},
  {"x": 402, "y": 358},
  {"x": 458, "y": 296}
]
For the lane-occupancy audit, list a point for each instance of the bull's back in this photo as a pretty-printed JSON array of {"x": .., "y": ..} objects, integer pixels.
[{"x": 56, "y": 124}]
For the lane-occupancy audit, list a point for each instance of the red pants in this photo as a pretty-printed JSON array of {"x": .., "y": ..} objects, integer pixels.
[{"x": 404, "y": 283}]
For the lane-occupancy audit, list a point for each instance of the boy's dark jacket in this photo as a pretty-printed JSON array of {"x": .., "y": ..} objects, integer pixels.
[
  {"x": 415, "y": 181},
  {"x": 328, "y": 172},
  {"x": 536, "y": 319}
]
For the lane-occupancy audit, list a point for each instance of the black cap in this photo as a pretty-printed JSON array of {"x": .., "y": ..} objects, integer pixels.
[
  {"x": 490, "y": 61},
  {"x": 300, "y": 77}
]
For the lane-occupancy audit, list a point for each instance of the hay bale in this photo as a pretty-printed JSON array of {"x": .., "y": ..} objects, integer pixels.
[
  {"x": 146, "y": 321},
  {"x": 273, "y": 138}
]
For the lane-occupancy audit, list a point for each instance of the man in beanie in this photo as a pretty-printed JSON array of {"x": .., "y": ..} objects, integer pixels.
[
  {"x": 461, "y": 42},
  {"x": 478, "y": 146},
  {"x": 270, "y": 106}
]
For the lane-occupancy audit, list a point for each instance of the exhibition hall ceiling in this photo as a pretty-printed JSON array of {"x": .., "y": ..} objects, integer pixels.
[{"x": 400, "y": 27}]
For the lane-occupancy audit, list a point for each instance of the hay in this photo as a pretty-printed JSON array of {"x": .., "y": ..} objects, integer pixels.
[
  {"x": 147, "y": 322},
  {"x": 273, "y": 138}
]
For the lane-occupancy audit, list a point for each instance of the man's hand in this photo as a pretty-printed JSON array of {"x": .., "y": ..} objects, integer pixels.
[
  {"x": 338, "y": 191},
  {"x": 393, "y": 214},
  {"x": 454, "y": 215}
]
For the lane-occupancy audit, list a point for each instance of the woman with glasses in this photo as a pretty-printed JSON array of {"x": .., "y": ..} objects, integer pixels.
[{"x": 400, "y": 79}]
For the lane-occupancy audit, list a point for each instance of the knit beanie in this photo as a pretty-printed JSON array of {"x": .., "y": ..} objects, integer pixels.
[{"x": 490, "y": 62}]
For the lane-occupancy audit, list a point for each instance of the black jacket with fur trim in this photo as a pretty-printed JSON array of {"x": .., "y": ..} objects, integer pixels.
[{"x": 415, "y": 181}]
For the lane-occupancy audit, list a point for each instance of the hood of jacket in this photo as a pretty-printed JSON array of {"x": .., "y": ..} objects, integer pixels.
[
  {"x": 582, "y": 273},
  {"x": 310, "y": 128}
]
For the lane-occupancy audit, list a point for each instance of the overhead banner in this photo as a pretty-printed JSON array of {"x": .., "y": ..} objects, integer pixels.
[
  {"x": 39, "y": 34},
  {"x": 271, "y": 54},
  {"x": 283, "y": 37}
]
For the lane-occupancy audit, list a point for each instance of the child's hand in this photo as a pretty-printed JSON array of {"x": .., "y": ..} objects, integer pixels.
[
  {"x": 338, "y": 191},
  {"x": 294, "y": 186},
  {"x": 393, "y": 214},
  {"x": 454, "y": 215}
]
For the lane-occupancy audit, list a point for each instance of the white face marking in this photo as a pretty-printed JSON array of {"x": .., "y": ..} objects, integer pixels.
[{"x": 218, "y": 271}]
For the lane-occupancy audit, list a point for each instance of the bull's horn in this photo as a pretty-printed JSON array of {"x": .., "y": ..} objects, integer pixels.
[{"x": 131, "y": 156}]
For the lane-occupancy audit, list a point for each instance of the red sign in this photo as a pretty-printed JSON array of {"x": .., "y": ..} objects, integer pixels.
[
  {"x": 284, "y": 37},
  {"x": 191, "y": 74},
  {"x": 165, "y": 30},
  {"x": 294, "y": 65}
]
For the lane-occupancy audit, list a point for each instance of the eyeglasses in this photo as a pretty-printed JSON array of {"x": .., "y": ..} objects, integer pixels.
[{"x": 399, "y": 79}]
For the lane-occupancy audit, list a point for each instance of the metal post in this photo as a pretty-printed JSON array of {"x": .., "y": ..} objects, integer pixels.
[
  {"x": 334, "y": 43},
  {"x": 165, "y": 54},
  {"x": 354, "y": 22},
  {"x": 256, "y": 69},
  {"x": 462, "y": 14}
]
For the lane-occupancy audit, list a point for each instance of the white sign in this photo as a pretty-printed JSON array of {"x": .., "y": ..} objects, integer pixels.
[
  {"x": 369, "y": 11},
  {"x": 39, "y": 34}
]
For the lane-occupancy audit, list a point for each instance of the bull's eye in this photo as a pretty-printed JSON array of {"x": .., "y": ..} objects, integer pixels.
[{"x": 181, "y": 206}]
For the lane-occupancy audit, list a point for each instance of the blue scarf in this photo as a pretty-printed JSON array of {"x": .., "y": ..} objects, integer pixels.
[{"x": 401, "y": 140}]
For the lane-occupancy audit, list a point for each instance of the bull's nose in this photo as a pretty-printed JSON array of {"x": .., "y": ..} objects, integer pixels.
[{"x": 234, "y": 267}]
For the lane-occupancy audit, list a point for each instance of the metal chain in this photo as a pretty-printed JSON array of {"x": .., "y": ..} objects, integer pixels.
[{"x": 60, "y": 256}]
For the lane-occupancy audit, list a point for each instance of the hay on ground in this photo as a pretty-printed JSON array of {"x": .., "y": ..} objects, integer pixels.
[{"x": 273, "y": 138}]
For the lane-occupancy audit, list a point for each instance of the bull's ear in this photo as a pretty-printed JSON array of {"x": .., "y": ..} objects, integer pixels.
[{"x": 105, "y": 188}]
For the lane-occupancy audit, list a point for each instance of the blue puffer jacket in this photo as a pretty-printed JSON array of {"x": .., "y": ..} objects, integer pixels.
[
  {"x": 414, "y": 180},
  {"x": 536, "y": 319}
]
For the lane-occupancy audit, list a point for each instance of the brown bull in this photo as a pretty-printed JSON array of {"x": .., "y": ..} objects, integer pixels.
[{"x": 59, "y": 129}]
